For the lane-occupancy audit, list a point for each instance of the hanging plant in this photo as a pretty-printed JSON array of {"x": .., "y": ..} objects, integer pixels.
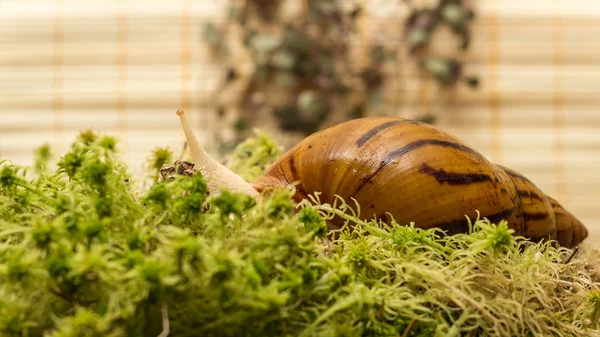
[
  {"x": 294, "y": 60},
  {"x": 301, "y": 70},
  {"x": 420, "y": 27}
]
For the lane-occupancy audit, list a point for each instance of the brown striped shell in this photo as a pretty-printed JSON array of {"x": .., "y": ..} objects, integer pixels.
[{"x": 418, "y": 173}]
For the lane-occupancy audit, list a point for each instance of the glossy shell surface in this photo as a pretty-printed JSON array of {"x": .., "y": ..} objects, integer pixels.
[{"x": 418, "y": 173}]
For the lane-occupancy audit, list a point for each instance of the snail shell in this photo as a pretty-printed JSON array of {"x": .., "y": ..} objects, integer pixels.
[
  {"x": 414, "y": 171},
  {"x": 418, "y": 173}
]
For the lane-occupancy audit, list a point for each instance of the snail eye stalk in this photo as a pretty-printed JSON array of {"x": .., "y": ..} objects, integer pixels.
[{"x": 219, "y": 177}]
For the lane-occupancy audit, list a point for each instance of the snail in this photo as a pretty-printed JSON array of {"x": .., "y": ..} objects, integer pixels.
[{"x": 410, "y": 170}]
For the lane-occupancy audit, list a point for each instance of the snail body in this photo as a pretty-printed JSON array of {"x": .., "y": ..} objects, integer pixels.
[{"x": 418, "y": 173}]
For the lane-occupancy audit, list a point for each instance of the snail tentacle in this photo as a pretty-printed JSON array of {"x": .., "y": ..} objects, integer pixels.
[{"x": 219, "y": 177}]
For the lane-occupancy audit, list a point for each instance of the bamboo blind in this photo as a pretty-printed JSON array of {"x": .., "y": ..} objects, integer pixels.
[{"x": 123, "y": 67}]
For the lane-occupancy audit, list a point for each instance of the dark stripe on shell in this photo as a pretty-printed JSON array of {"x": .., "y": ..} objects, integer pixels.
[
  {"x": 535, "y": 216},
  {"x": 408, "y": 148},
  {"x": 517, "y": 201},
  {"x": 369, "y": 134},
  {"x": 495, "y": 218},
  {"x": 424, "y": 142},
  {"x": 529, "y": 194},
  {"x": 553, "y": 202},
  {"x": 454, "y": 178},
  {"x": 514, "y": 174},
  {"x": 462, "y": 226},
  {"x": 293, "y": 168},
  {"x": 545, "y": 237}
]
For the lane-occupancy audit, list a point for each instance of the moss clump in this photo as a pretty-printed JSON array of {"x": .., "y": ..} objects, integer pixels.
[
  {"x": 253, "y": 156},
  {"x": 83, "y": 254}
]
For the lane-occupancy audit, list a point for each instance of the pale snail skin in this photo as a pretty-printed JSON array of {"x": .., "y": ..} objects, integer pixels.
[{"x": 414, "y": 171}]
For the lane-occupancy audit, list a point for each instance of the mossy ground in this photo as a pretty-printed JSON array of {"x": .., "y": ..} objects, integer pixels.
[{"x": 83, "y": 253}]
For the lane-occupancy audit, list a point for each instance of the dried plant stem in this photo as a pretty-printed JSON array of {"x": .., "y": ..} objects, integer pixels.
[
  {"x": 409, "y": 327},
  {"x": 165, "y": 320},
  {"x": 572, "y": 255}
]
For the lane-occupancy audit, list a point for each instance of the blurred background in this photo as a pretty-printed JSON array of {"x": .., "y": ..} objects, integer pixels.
[{"x": 517, "y": 80}]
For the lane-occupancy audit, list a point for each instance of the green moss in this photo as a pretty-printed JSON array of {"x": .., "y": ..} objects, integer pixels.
[
  {"x": 158, "y": 157},
  {"x": 253, "y": 156},
  {"x": 84, "y": 255},
  {"x": 42, "y": 156}
]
